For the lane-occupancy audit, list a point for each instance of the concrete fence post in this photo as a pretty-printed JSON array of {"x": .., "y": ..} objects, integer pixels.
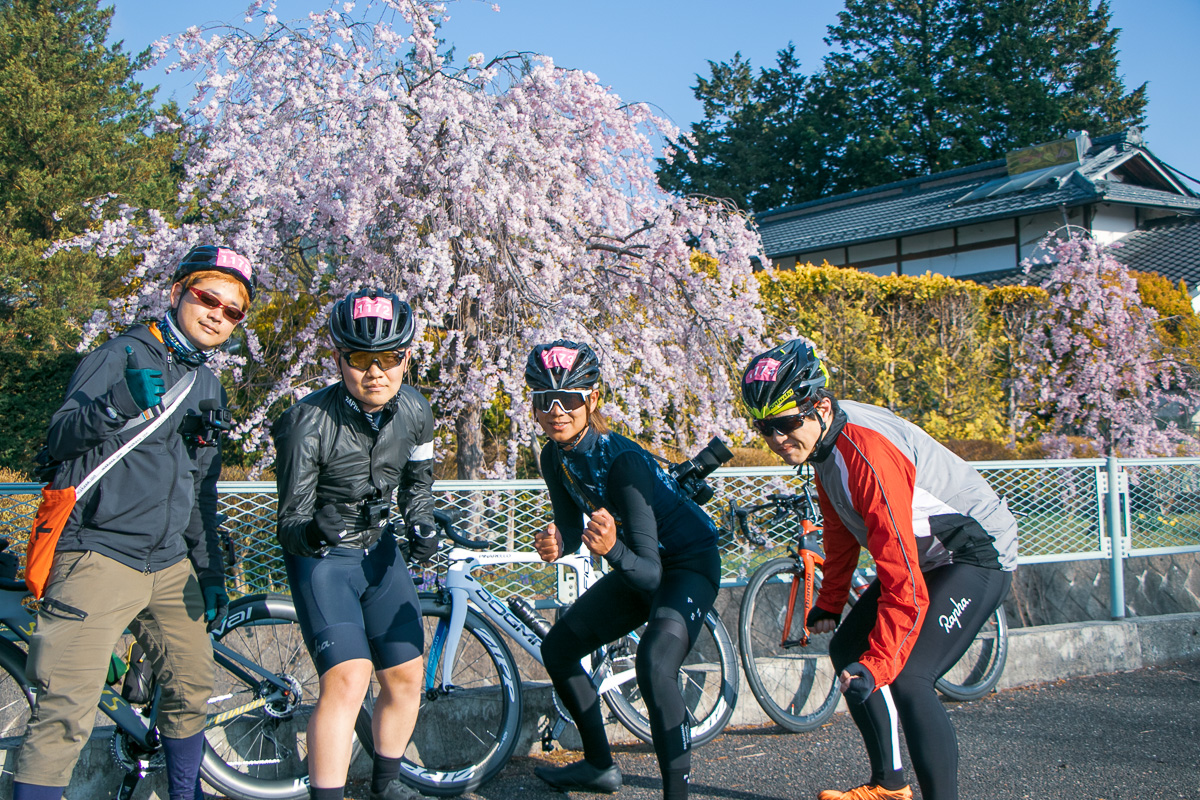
[{"x": 1117, "y": 570}]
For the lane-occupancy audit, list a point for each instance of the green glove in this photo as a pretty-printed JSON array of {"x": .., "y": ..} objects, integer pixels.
[
  {"x": 216, "y": 604},
  {"x": 145, "y": 385}
]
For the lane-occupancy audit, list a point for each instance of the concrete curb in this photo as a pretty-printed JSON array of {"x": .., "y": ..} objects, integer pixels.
[{"x": 1036, "y": 655}]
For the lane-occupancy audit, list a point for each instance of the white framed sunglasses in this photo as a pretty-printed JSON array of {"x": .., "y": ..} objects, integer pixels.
[{"x": 567, "y": 399}]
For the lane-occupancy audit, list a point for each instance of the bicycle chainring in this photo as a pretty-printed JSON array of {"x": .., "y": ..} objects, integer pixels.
[{"x": 129, "y": 755}]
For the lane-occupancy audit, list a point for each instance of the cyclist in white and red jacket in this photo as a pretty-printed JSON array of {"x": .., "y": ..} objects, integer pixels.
[{"x": 944, "y": 545}]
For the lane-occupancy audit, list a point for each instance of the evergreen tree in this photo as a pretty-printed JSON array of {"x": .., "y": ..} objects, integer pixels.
[
  {"x": 757, "y": 145},
  {"x": 74, "y": 135},
  {"x": 911, "y": 87},
  {"x": 1048, "y": 67}
]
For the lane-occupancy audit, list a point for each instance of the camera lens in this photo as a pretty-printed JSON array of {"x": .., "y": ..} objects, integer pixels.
[{"x": 714, "y": 454}]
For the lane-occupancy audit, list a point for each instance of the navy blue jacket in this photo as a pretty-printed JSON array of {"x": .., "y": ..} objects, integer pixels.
[
  {"x": 657, "y": 526},
  {"x": 158, "y": 505}
]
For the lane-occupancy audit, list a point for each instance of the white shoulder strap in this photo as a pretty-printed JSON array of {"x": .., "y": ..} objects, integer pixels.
[{"x": 108, "y": 463}]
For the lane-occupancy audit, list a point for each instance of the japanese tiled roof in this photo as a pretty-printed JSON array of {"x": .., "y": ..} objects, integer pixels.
[
  {"x": 936, "y": 202},
  {"x": 1037, "y": 275},
  {"x": 1170, "y": 247}
]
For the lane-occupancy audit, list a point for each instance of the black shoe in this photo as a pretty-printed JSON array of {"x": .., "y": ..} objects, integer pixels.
[
  {"x": 582, "y": 776},
  {"x": 398, "y": 790}
]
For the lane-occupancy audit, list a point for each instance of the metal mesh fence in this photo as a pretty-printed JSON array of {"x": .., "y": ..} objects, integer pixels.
[
  {"x": 1162, "y": 511},
  {"x": 1059, "y": 505}
]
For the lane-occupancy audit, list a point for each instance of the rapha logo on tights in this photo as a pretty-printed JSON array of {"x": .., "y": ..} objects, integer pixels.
[{"x": 953, "y": 619}]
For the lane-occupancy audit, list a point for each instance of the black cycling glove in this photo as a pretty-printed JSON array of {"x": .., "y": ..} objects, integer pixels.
[
  {"x": 816, "y": 614},
  {"x": 422, "y": 542},
  {"x": 862, "y": 683},
  {"x": 327, "y": 527},
  {"x": 216, "y": 602}
]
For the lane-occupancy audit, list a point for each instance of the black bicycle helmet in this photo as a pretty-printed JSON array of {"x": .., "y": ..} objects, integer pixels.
[
  {"x": 218, "y": 259},
  {"x": 784, "y": 376},
  {"x": 562, "y": 364},
  {"x": 372, "y": 320}
]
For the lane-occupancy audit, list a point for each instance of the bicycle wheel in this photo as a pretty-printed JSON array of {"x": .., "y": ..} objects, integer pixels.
[
  {"x": 16, "y": 696},
  {"x": 794, "y": 685},
  {"x": 708, "y": 680},
  {"x": 257, "y": 732},
  {"x": 466, "y": 733},
  {"x": 978, "y": 671}
]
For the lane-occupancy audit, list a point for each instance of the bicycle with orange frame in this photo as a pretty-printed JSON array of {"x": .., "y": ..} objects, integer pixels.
[{"x": 787, "y": 666}]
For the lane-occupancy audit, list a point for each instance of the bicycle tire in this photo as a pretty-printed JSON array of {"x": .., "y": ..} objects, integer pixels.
[
  {"x": 16, "y": 696},
  {"x": 261, "y": 752},
  {"x": 708, "y": 680},
  {"x": 978, "y": 671},
  {"x": 795, "y": 686},
  {"x": 483, "y": 710}
]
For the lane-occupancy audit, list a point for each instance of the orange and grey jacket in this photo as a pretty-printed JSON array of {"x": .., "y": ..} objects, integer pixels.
[{"x": 886, "y": 485}]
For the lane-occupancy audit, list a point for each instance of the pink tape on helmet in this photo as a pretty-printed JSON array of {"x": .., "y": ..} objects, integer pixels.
[
  {"x": 231, "y": 260},
  {"x": 380, "y": 307},
  {"x": 765, "y": 370},
  {"x": 559, "y": 357}
]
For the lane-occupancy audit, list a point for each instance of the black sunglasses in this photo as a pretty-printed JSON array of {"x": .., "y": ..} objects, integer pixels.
[
  {"x": 568, "y": 399},
  {"x": 779, "y": 425}
]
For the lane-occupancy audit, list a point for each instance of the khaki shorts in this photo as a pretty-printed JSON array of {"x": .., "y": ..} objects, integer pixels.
[{"x": 90, "y": 600}]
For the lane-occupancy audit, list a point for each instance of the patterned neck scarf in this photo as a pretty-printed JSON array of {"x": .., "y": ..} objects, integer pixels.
[{"x": 185, "y": 352}]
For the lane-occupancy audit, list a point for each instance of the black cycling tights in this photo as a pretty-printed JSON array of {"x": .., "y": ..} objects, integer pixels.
[
  {"x": 961, "y": 598},
  {"x": 674, "y": 615}
]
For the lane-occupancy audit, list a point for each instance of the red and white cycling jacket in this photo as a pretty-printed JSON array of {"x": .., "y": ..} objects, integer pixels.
[{"x": 885, "y": 484}]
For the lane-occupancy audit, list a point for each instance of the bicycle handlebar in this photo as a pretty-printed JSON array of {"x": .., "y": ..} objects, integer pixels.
[
  {"x": 799, "y": 503},
  {"x": 445, "y": 520}
]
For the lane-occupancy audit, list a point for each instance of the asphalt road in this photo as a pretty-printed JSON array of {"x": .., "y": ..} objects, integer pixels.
[{"x": 1123, "y": 736}]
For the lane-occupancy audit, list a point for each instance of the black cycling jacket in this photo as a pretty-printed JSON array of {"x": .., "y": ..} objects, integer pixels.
[
  {"x": 328, "y": 452},
  {"x": 158, "y": 505}
]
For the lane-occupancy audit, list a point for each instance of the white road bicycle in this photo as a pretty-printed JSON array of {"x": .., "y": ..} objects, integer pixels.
[{"x": 473, "y": 685}]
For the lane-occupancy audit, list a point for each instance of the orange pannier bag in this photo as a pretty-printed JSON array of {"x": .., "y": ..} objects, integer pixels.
[{"x": 52, "y": 516}]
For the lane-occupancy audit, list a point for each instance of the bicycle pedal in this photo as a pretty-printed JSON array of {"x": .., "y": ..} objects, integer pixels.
[{"x": 790, "y": 643}]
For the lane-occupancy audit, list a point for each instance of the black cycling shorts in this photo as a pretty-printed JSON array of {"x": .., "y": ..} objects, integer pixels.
[{"x": 357, "y": 604}]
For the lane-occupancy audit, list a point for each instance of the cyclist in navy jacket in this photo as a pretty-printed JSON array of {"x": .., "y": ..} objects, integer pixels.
[
  {"x": 141, "y": 550},
  {"x": 662, "y": 549}
]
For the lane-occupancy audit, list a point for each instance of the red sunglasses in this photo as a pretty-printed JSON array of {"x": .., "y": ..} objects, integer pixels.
[{"x": 210, "y": 300}]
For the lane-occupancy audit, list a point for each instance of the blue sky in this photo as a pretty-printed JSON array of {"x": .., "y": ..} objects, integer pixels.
[{"x": 652, "y": 50}]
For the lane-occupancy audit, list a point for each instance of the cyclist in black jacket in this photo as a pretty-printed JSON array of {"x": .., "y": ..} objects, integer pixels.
[
  {"x": 142, "y": 549},
  {"x": 662, "y": 549},
  {"x": 341, "y": 453}
]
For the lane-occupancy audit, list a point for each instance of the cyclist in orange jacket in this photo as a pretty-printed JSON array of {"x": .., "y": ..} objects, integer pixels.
[{"x": 944, "y": 546}]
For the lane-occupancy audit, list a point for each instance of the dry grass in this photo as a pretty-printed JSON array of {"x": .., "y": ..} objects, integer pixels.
[{"x": 13, "y": 476}]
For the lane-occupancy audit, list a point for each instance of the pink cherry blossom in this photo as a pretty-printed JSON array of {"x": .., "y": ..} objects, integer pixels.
[
  {"x": 511, "y": 201},
  {"x": 1091, "y": 369}
]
